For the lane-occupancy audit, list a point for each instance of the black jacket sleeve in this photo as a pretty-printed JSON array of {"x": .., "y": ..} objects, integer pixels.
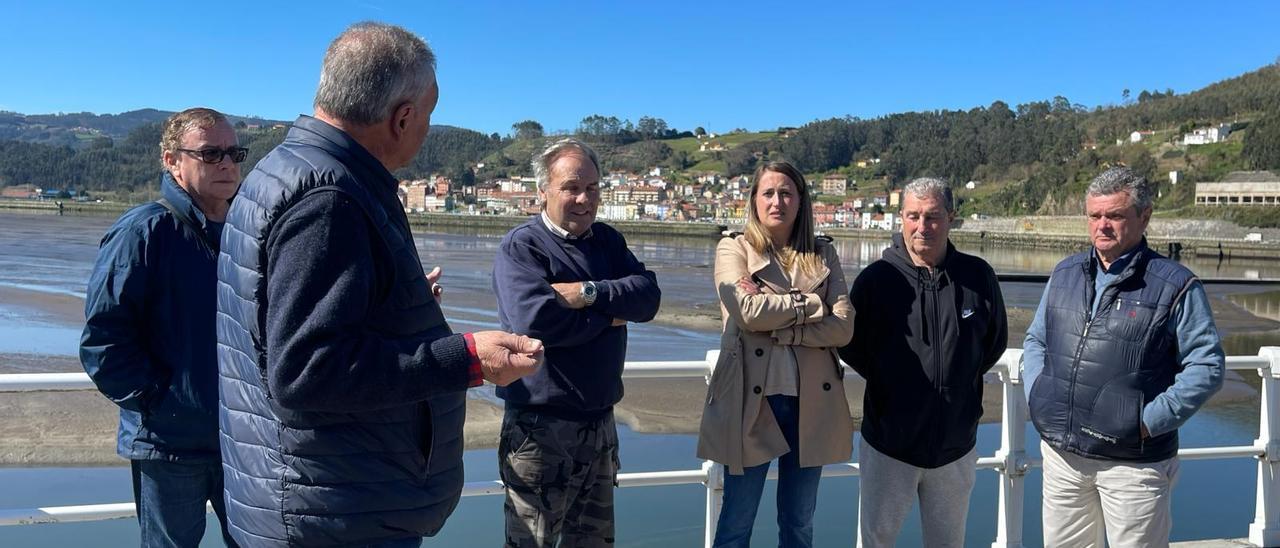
[
  {"x": 997, "y": 337},
  {"x": 858, "y": 353}
]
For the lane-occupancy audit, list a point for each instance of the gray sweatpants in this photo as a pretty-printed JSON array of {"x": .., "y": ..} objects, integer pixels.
[{"x": 888, "y": 487}]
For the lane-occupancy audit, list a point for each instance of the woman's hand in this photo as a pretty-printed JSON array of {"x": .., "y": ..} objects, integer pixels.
[{"x": 748, "y": 286}]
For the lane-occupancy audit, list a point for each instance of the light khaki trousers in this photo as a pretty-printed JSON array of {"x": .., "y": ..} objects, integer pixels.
[{"x": 1089, "y": 500}]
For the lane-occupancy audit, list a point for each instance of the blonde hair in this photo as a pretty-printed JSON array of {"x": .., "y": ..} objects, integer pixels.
[{"x": 802, "y": 247}]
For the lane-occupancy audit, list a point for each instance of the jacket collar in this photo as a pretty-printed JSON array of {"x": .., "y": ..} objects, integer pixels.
[
  {"x": 170, "y": 190},
  {"x": 318, "y": 133},
  {"x": 1130, "y": 262},
  {"x": 897, "y": 255},
  {"x": 762, "y": 267}
]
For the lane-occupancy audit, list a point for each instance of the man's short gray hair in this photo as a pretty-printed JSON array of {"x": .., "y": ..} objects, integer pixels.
[
  {"x": 542, "y": 162},
  {"x": 1123, "y": 179},
  {"x": 372, "y": 68},
  {"x": 925, "y": 187}
]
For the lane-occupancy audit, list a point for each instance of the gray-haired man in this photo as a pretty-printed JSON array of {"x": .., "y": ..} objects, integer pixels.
[
  {"x": 929, "y": 322},
  {"x": 573, "y": 283},
  {"x": 1121, "y": 352},
  {"x": 343, "y": 387}
]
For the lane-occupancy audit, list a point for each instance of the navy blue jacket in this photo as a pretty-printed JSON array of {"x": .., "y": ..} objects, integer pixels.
[
  {"x": 149, "y": 339},
  {"x": 581, "y": 377},
  {"x": 343, "y": 389}
]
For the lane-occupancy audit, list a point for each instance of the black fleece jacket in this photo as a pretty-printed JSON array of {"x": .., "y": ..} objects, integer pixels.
[{"x": 923, "y": 341}]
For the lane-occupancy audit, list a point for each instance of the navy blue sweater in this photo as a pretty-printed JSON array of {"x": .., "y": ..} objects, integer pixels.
[{"x": 582, "y": 375}]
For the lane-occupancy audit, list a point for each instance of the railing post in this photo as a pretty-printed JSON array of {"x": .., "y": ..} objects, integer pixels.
[
  {"x": 715, "y": 475},
  {"x": 1265, "y": 529},
  {"x": 1013, "y": 451},
  {"x": 715, "y": 497}
]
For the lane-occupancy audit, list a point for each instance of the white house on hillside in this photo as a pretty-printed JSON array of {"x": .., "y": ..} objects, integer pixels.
[{"x": 1207, "y": 135}]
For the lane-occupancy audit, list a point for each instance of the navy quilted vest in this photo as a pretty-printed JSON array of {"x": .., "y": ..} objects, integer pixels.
[
  {"x": 296, "y": 478},
  {"x": 1100, "y": 372}
]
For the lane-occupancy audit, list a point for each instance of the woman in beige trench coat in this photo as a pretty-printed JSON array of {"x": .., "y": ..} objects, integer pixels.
[{"x": 776, "y": 391}]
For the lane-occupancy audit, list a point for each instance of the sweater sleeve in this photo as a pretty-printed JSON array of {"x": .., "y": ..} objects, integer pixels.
[
  {"x": 528, "y": 303},
  {"x": 1033, "y": 347},
  {"x": 635, "y": 295},
  {"x": 321, "y": 285},
  {"x": 1202, "y": 360}
]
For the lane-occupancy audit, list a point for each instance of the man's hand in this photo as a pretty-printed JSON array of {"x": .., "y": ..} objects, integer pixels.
[
  {"x": 433, "y": 278},
  {"x": 505, "y": 357},
  {"x": 748, "y": 286},
  {"x": 618, "y": 322},
  {"x": 569, "y": 295}
]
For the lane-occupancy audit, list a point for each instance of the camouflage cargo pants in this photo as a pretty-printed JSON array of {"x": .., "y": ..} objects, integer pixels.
[{"x": 560, "y": 476}]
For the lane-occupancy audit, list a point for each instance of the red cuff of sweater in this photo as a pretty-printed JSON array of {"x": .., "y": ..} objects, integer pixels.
[{"x": 476, "y": 374}]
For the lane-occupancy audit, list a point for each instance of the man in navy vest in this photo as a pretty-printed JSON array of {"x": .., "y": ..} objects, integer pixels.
[
  {"x": 149, "y": 339},
  {"x": 343, "y": 387},
  {"x": 574, "y": 284},
  {"x": 1122, "y": 351}
]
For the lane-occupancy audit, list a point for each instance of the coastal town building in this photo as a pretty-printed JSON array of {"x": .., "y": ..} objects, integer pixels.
[
  {"x": 1207, "y": 135},
  {"x": 653, "y": 194},
  {"x": 835, "y": 185},
  {"x": 20, "y": 192},
  {"x": 1241, "y": 188}
]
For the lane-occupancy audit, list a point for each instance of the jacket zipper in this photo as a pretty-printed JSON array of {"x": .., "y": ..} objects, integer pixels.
[
  {"x": 1075, "y": 364},
  {"x": 937, "y": 353}
]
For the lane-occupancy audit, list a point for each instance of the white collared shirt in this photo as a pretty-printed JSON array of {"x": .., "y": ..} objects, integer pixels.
[{"x": 562, "y": 233}]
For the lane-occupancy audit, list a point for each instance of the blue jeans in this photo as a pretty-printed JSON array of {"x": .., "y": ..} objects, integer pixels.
[
  {"x": 170, "y": 498},
  {"x": 797, "y": 490}
]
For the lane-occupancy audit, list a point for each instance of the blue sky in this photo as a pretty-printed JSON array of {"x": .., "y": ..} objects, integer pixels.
[{"x": 720, "y": 65}]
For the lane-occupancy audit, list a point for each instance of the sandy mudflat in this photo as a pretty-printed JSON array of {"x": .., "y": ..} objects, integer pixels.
[{"x": 57, "y": 308}]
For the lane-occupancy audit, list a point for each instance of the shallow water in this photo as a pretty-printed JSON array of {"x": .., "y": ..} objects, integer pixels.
[{"x": 54, "y": 255}]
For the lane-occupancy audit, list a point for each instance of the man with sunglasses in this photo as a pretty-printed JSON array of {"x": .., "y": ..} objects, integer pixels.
[{"x": 150, "y": 342}]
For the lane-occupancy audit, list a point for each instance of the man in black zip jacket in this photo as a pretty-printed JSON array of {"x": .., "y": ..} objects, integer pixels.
[{"x": 929, "y": 323}]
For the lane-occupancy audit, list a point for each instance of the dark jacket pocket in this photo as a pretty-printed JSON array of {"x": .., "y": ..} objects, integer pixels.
[{"x": 1116, "y": 415}]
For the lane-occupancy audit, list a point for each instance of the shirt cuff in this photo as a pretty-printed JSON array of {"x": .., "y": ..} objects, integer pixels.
[{"x": 475, "y": 376}]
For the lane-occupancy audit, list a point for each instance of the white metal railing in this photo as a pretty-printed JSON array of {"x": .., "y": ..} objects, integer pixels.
[{"x": 1010, "y": 461}]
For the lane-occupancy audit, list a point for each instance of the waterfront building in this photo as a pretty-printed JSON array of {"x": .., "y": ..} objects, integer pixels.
[{"x": 1241, "y": 188}]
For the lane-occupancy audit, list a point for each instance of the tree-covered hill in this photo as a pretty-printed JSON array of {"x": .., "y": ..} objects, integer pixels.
[
  {"x": 85, "y": 129},
  {"x": 1029, "y": 158}
]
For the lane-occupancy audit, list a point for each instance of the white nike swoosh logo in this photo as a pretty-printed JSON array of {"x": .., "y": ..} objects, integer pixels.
[{"x": 966, "y": 314}]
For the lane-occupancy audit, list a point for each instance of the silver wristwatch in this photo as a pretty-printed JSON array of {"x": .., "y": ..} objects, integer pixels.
[{"x": 589, "y": 293}]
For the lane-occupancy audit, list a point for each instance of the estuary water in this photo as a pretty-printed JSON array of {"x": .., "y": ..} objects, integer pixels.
[{"x": 45, "y": 262}]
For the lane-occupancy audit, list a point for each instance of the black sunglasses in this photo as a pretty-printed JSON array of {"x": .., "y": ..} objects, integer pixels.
[{"x": 215, "y": 155}]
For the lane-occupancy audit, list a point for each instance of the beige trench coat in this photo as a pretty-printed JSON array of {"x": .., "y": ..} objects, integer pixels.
[{"x": 738, "y": 428}]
